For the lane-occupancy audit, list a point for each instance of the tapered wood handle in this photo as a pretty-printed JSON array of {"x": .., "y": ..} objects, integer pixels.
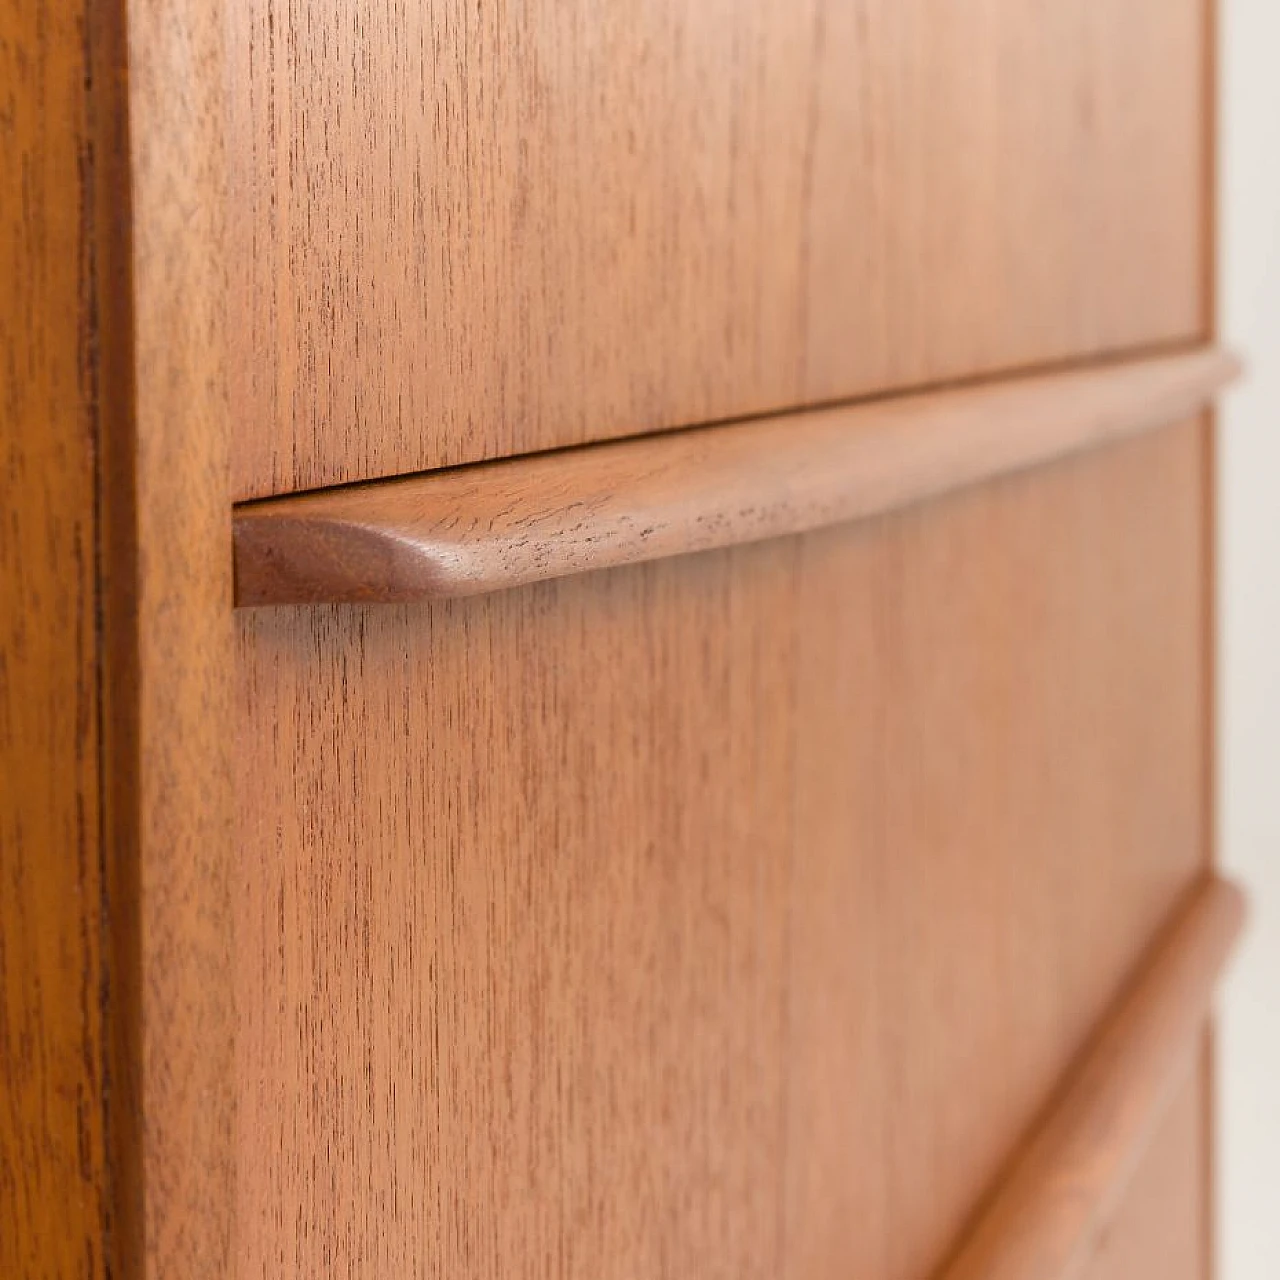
[
  {"x": 1053, "y": 1204},
  {"x": 482, "y": 528}
]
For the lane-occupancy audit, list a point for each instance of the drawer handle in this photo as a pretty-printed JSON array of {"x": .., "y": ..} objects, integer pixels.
[
  {"x": 1056, "y": 1200},
  {"x": 479, "y": 528}
]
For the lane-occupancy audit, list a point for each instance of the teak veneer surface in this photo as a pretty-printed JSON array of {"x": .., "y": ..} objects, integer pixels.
[
  {"x": 116, "y": 1030},
  {"x": 475, "y": 529},
  {"x": 732, "y": 915},
  {"x": 465, "y": 231},
  {"x": 169, "y": 599},
  {"x": 1056, "y": 1203},
  {"x": 54, "y": 1184}
]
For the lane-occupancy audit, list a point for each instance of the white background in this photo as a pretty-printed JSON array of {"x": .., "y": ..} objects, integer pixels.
[{"x": 1249, "y": 631}]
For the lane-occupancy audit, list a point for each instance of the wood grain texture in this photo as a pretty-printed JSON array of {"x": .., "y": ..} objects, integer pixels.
[
  {"x": 1159, "y": 1229},
  {"x": 170, "y": 601},
  {"x": 673, "y": 920},
  {"x": 115, "y": 803},
  {"x": 665, "y": 923},
  {"x": 504, "y": 524},
  {"x": 460, "y": 233},
  {"x": 1000, "y": 773},
  {"x": 1054, "y": 1204},
  {"x": 54, "y": 1184}
]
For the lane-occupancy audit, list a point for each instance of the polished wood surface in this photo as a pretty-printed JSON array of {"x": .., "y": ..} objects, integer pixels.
[
  {"x": 504, "y": 524},
  {"x": 730, "y": 915},
  {"x": 460, "y": 233},
  {"x": 1056, "y": 1202},
  {"x": 737, "y": 914},
  {"x": 991, "y": 650},
  {"x": 1161, "y": 1227},
  {"x": 117, "y": 1033},
  {"x": 169, "y": 604},
  {"x": 54, "y": 1185}
]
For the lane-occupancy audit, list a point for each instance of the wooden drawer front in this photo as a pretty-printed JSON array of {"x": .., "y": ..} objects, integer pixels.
[
  {"x": 730, "y": 915},
  {"x": 464, "y": 231}
]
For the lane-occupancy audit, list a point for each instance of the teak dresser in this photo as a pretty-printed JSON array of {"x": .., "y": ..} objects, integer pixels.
[{"x": 607, "y": 638}]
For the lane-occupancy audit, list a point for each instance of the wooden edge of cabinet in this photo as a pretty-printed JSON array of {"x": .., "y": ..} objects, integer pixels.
[
  {"x": 1052, "y": 1205},
  {"x": 170, "y": 655},
  {"x": 495, "y": 525},
  {"x": 116, "y": 644},
  {"x": 57, "y": 1179}
]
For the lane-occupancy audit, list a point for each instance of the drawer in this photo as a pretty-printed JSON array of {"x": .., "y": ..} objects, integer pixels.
[
  {"x": 462, "y": 231},
  {"x": 774, "y": 848},
  {"x": 730, "y": 915}
]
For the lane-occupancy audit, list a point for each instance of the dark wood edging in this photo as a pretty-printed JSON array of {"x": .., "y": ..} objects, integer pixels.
[
  {"x": 1047, "y": 1217},
  {"x": 482, "y": 528}
]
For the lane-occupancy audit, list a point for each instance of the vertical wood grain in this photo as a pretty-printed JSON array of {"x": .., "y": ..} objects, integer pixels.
[
  {"x": 725, "y": 916},
  {"x": 462, "y": 232},
  {"x": 170, "y": 602},
  {"x": 115, "y": 648},
  {"x": 68, "y": 1142},
  {"x": 54, "y": 1187},
  {"x": 511, "y": 1003},
  {"x": 999, "y": 802},
  {"x": 697, "y": 881}
]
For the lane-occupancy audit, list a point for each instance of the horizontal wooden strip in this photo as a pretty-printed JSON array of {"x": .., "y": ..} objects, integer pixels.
[
  {"x": 500, "y": 524},
  {"x": 1047, "y": 1217}
]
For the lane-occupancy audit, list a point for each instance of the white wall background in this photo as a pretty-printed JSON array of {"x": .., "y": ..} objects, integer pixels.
[{"x": 1249, "y": 644}]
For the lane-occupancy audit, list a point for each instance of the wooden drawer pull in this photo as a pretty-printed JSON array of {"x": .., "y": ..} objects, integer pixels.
[
  {"x": 1046, "y": 1218},
  {"x": 501, "y": 524}
]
